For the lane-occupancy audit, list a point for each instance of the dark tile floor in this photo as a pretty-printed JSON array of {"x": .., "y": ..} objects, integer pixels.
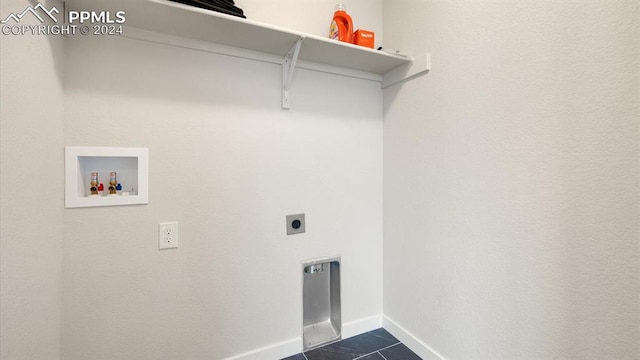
[{"x": 374, "y": 345}]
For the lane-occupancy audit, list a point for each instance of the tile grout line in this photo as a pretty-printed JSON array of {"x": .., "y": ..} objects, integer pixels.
[
  {"x": 305, "y": 356},
  {"x": 377, "y": 351},
  {"x": 390, "y": 346},
  {"x": 365, "y": 355}
]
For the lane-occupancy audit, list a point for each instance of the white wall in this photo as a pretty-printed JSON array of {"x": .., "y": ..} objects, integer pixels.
[
  {"x": 31, "y": 171},
  {"x": 228, "y": 164},
  {"x": 511, "y": 179}
]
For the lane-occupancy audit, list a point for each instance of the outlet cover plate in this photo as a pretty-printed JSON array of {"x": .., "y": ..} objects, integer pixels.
[
  {"x": 295, "y": 224},
  {"x": 168, "y": 235}
]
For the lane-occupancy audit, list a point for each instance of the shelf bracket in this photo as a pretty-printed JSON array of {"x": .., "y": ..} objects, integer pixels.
[{"x": 288, "y": 66}]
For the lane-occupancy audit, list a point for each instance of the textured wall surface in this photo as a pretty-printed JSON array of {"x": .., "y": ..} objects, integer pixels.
[
  {"x": 228, "y": 164},
  {"x": 511, "y": 179},
  {"x": 31, "y": 170},
  {"x": 510, "y": 187}
]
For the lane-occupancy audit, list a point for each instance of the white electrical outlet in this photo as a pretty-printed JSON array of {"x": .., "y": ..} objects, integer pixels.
[{"x": 168, "y": 235}]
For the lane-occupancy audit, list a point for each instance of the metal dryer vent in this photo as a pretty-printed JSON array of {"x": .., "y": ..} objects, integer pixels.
[{"x": 322, "y": 318}]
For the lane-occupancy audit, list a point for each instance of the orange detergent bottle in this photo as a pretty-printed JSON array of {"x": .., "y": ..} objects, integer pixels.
[{"x": 341, "y": 27}]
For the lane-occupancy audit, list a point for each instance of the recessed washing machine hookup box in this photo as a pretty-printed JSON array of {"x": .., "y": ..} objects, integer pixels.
[{"x": 322, "y": 316}]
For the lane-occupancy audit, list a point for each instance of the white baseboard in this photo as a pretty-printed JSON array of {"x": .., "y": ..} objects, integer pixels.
[
  {"x": 361, "y": 326},
  {"x": 417, "y": 346},
  {"x": 294, "y": 346},
  {"x": 272, "y": 352}
]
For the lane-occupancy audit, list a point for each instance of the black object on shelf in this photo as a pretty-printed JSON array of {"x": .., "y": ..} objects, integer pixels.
[{"x": 221, "y": 6}]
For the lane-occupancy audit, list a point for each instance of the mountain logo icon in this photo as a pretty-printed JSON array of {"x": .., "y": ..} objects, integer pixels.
[{"x": 35, "y": 10}]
